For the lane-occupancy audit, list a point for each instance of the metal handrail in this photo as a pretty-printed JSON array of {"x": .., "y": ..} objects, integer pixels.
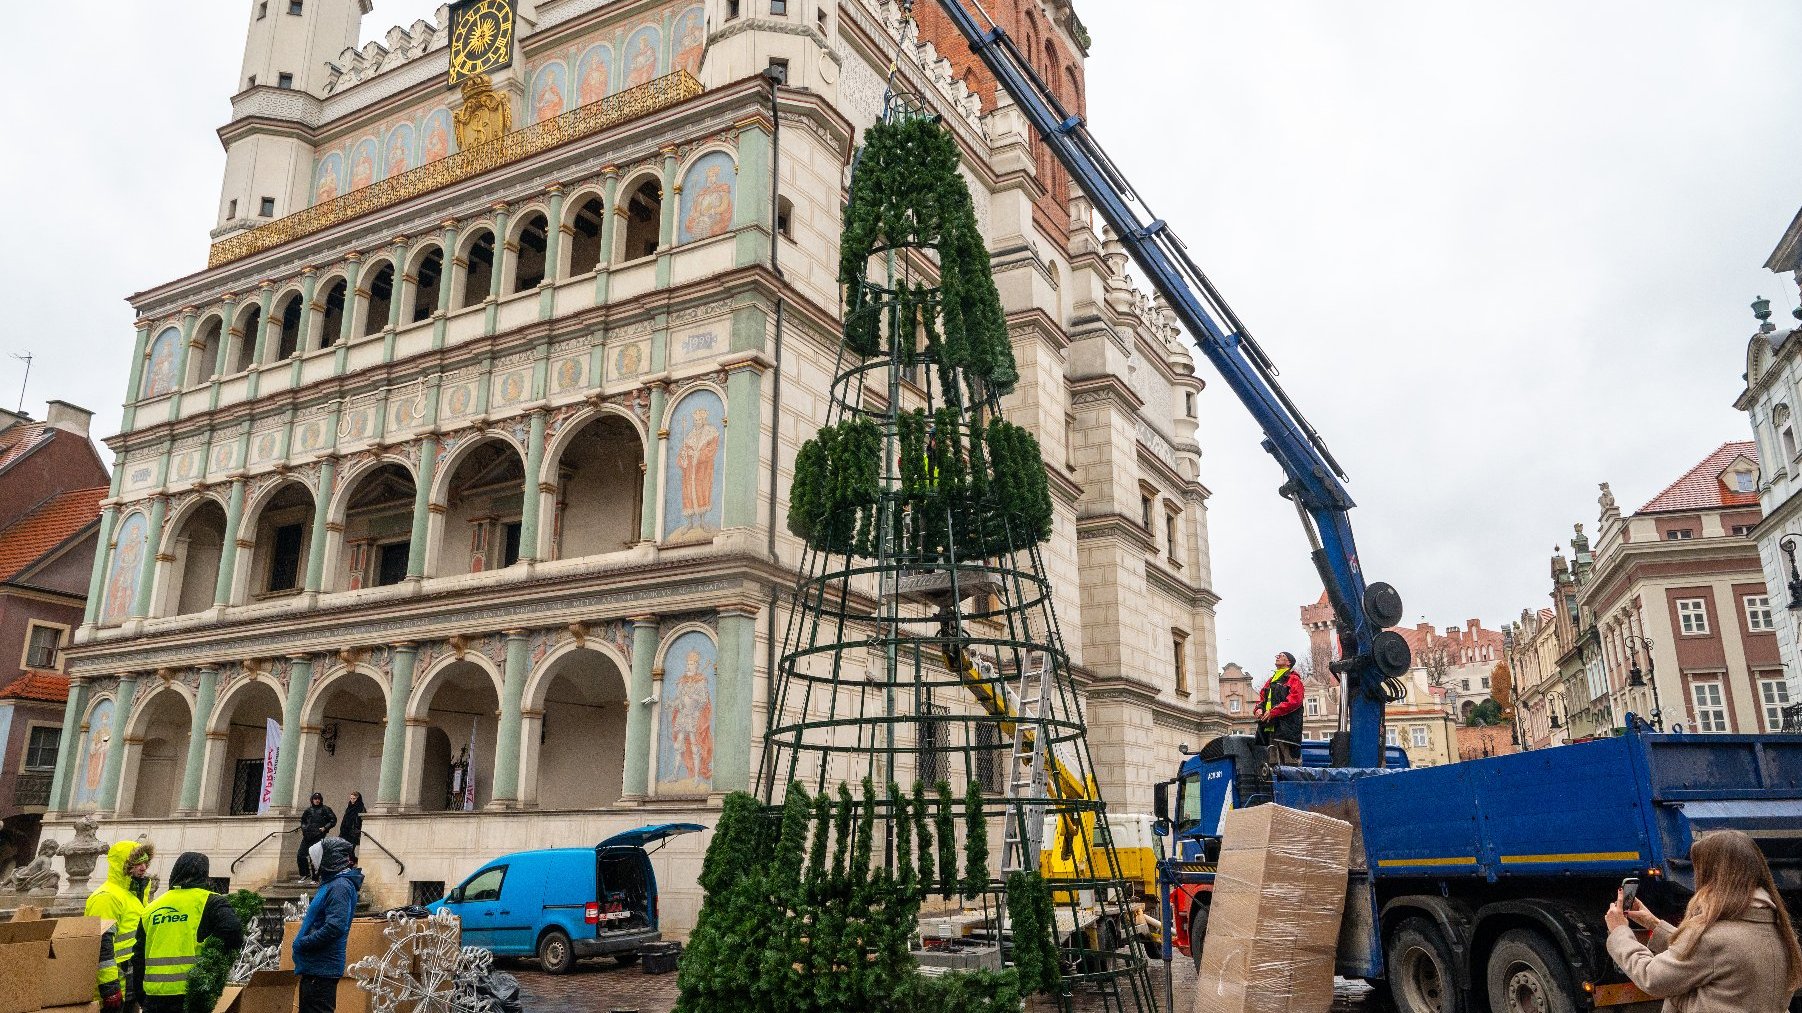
[
  {"x": 260, "y": 842},
  {"x": 371, "y": 838}
]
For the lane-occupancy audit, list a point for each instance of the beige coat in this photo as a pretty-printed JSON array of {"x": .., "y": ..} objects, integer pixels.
[{"x": 1737, "y": 966}]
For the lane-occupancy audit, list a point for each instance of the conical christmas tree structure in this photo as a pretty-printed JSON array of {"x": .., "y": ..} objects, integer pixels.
[{"x": 923, "y": 721}]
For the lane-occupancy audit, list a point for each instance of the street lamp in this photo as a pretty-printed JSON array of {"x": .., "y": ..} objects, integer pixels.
[
  {"x": 1788, "y": 545},
  {"x": 1638, "y": 679}
]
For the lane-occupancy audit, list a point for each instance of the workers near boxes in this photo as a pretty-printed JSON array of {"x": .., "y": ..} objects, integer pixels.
[
  {"x": 1279, "y": 713},
  {"x": 316, "y": 820},
  {"x": 325, "y": 929},
  {"x": 186, "y": 915},
  {"x": 120, "y": 900}
]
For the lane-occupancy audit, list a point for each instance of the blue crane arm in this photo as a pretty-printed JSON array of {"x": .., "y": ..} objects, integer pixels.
[{"x": 1315, "y": 481}]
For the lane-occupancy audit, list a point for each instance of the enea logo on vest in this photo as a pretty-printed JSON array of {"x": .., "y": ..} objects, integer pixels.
[{"x": 168, "y": 917}]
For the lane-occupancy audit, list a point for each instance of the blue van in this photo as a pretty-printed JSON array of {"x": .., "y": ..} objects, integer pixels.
[{"x": 563, "y": 904}]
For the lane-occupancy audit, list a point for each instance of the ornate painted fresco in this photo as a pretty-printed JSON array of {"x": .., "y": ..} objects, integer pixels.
[
  {"x": 550, "y": 87},
  {"x": 643, "y": 56},
  {"x": 91, "y": 757},
  {"x": 594, "y": 74},
  {"x": 328, "y": 182},
  {"x": 363, "y": 164},
  {"x": 159, "y": 367},
  {"x": 629, "y": 360},
  {"x": 397, "y": 155},
  {"x": 123, "y": 572},
  {"x": 696, "y": 469},
  {"x": 690, "y": 34},
  {"x": 438, "y": 136},
  {"x": 567, "y": 374},
  {"x": 706, "y": 208},
  {"x": 685, "y": 742}
]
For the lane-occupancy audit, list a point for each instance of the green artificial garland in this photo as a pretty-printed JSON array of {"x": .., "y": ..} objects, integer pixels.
[
  {"x": 976, "y": 843},
  {"x": 837, "y": 487},
  {"x": 213, "y": 963},
  {"x": 1033, "y": 919},
  {"x": 946, "y": 825}
]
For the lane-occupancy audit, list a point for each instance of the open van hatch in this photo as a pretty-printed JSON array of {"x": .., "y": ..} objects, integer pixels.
[{"x": 625, "y": 889}]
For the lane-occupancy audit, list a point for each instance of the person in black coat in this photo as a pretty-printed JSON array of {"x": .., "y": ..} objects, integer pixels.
[
  {"x": 351, "y": 826},
  {"x": 218, "y": 920},
  {"x": 316, "y": 821}
]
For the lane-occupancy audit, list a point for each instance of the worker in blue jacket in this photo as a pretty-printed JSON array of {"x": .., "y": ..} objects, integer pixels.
[{"x": 324, "y": 931}]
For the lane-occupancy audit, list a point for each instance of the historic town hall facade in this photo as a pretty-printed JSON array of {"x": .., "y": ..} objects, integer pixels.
[{"x": 458, "y": 477}]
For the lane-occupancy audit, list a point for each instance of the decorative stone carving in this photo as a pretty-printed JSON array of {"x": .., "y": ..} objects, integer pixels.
[
  {"x": 37, "y": 876},
  {"x": 484, "y": 115},
  {"x": 82, "y": 853}
]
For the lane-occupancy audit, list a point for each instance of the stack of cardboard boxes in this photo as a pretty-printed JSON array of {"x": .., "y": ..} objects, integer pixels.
[
  {"x": 49, "y": 964},
  {"x": 366, "y": 940}
]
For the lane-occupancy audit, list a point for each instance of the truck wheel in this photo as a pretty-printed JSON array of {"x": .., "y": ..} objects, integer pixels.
[
  {"x": 1422, "y": 977},
  {"x": 1198, "y": 929},
  {"x": 555, "y": 954},
  {"x": 1528, "y": 975}
]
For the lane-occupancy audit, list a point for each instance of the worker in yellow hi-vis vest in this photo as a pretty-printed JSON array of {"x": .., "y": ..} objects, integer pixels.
[
  {"x": 120, "y": 900},
  {"x": 186, "y": 915}
]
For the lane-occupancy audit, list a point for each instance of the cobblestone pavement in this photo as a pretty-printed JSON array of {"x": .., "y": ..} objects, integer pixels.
[{"x": 601, "y": 986}]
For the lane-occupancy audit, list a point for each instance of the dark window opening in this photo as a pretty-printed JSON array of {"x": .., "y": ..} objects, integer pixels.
[
  {"x": 247, "y": 339},
  {"x": 785, "y": 213},
  {"x": 528, "y": 265},
  {"x": 1145, "y": 511},
  {"x": 247, "y": 788},
  {"x": 41, "y": 747},
  {"x": 780, "y": 9},
  {"x": 284, "y": 561},
  {"x": 289, "y": 345},
  {"x": 424, "y": 891},
  {"x": 253, "y": 80},
  {"x": 426, "y": 286},
  {"x": 263, "y": 10},
  {"x": 231, "y": 210},
  {"x": 391, "y": 564},
  {"x": 268, "y": 208},
  {"x": 932, "y": 743},
  {"x": 332, "y": 322},
  {"x": 1189, "y": 403},
  {"x": 203, "y": 363},
  {"x": 988, "y": 758},
  {"x": 381, "y": 300},
  {"x": 40, "y": 651},
  {"x": 284, "y": 81},
  {"x": 480, "y": 271},
  {"x": 644, "y": 220},
  {"x": 1170, "y": 533},
  {"x": 585, "y": 244},
  {"x": 731, "y": 9},
  {"x": 510, "y": 543},
  {"x": 294, "y": 6},
  {"x": 820, "y": 15}
]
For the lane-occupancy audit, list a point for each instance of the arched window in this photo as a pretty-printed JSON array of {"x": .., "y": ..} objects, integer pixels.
[
  {"x": 203, "y": 358},
  {"x": 585, "y": 237},
  {"x": 381, "y": 299},
  {"x": 528, "y": 254},
  {"x": 288, "y": 314},
  {"x": 644, "y": 221},
  {"x": 331, "y": 326},
  {"x": 785, "y": 218},
  {"x": 428, "y": 280},
  {"x": 245, "y": 336},
  {"x": 478, "y": 272}
]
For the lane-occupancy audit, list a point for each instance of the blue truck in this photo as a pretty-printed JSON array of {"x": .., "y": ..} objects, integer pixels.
[{"x": 1481, "y": 885}]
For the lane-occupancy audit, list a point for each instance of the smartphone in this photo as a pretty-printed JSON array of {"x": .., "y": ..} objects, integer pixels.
[{"x": 1629, "y": 893}]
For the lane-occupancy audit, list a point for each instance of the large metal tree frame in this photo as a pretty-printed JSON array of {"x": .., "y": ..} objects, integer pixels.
[{"x": 931, "y": 651}]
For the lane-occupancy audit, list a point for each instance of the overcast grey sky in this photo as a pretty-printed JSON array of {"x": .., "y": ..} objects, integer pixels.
[{"x": 1501, "y": 252}]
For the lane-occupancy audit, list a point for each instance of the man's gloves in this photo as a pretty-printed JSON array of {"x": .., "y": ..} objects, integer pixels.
[{"x": 112, "y": 996}]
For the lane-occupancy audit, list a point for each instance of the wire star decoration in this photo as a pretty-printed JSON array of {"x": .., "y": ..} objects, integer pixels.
[{"x": 426, "y": 969}]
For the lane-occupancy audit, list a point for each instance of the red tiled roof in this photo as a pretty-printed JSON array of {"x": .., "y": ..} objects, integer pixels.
[
  {"x": 42, "y": 686},
  {"x": 34, "y": 535},
  {"x": 1701, "y": 488},
  {"x": 20, "y": 439}
]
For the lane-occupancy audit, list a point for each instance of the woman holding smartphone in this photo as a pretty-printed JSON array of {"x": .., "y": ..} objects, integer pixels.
[{"x": 1735, "y": 949}]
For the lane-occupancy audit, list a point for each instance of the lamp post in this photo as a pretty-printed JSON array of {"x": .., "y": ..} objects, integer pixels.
[{"x": 1638, "y": 679}]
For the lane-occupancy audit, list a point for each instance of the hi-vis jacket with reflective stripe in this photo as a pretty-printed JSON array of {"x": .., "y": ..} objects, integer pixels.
[
  {"x": 172, "y": 939},
  {"x": 116, "y": 901}
]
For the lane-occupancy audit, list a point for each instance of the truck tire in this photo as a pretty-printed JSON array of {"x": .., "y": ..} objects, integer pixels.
[
  {"x": 555, "y": 954},
  {"x": 1527, "y": 974},
  {"x": 1422, "y": 976},
  {"x": 1198, "y": 930}
]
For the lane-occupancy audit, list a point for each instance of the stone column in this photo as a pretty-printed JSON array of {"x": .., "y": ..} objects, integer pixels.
[
  {"x": 68, "y": 742},
  {"x": 203, "y": 715},
  {"x": 188, "y": 313},
  {"x": 653, "y": 473},
  {"x": 228, "y": 553},
  {"x": 322, "y": 506},
  {"x": 608, "y": 217},
  {"x": 394, "y": 733},
  {"x": 445, "y": 276},
  {"x": 534, "y": 494},
  {"x": 135, "y": 385},
  {"x": 666, "y": 232},
  {"x": 353, "y": 298},
  {"x": 422, "y": 508},
  {"x": 732, "y": 699},
  {"x": 227, "y": 327},
  {"x": 300, "y": 677},
  {"x": 492, "y": 316},
  {"x": 636, "y": 784},
  {"x": 744, "y": 415},
  {"x": 103, "y": 548},
  {"x": 266, "y": 300},
  {"x": 506, "y": 747},
  {"x": 115, "y": 754},
  {"x": 399, "y": 252},
  {"x": 159, "y": 512}
]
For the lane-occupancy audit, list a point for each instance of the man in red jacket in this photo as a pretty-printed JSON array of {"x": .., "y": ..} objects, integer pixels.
[{"x": 1279, "y": 713}]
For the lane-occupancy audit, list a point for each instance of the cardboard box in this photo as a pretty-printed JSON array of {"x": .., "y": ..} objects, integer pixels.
[
  {"x": 24, "y": 960},
  {"x": 266, "y": 992},
  {"x": 92, "y": 1006},
  {"x": 366, "y": 940},
  {"x": 68, "y": 978},
  {"x": 351, "y": 999},
  {"x": 1273, "y": 927}
]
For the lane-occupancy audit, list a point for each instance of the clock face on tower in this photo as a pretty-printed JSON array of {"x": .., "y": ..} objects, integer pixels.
[{"x": 481, "y": 37}]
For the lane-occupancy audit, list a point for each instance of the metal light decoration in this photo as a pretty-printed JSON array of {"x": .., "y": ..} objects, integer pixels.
[
  {"x": 1788, "y": 545},
  {"x": 1639, "y": 680},
  {"x": 426, "y": 969}
]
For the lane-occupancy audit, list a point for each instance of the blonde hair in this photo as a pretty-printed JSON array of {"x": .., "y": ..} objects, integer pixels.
[{"x": 1730, "y": 871}]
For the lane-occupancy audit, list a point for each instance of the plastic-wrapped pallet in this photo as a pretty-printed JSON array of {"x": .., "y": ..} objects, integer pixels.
[{"x": 1273, "y": 925}]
